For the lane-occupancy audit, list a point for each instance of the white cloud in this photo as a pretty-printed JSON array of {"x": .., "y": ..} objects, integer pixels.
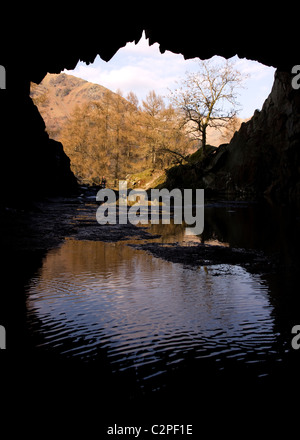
[
  {"x": 138, "y": 68},
  {"x": 141, "y": 68},
  {"x": 128, "y": 78},
  {"x": 87, "y": 72},
  {"x": 138, "y": 78},
  {"x": 255, "y": 70},
  {"x": 141, "y": 49}
]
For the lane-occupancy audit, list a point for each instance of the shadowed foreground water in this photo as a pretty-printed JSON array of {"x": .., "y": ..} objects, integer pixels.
[
  {"x": 141, "y": 308},
  {"x": 108, "y": 302},
  {"x": 113, "y": 332},
  {"x": 148, "y": 325}
]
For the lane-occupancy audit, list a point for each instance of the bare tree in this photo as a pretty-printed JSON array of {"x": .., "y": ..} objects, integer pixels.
[{"x": 208, "y": 97}]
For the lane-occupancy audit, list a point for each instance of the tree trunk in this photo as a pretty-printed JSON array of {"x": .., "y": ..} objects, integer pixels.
[
  {"x": 153, "y": 155},
  {"x": 204, "y": 141}
]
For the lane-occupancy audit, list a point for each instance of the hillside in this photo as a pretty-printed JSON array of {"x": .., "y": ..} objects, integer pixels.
[
  {"x": 57, "y": 96},
  {"x": 217, "y": 137},
  {"x": 105, "y": 134}
]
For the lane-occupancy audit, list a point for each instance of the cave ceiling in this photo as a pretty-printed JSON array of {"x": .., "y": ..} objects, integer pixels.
[{"x": 52, "y": 40}]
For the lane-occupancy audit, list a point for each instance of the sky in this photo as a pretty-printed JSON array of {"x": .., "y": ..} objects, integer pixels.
[{"x": 141, "y": 68}]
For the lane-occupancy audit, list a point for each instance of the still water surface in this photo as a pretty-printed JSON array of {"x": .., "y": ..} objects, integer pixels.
[
  {"x": 123, "y": 308},
  {"x": 120, "y": 306}
]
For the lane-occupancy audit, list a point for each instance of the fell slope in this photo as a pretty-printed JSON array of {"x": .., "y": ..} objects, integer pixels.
[{"x": 57, "y": 96}]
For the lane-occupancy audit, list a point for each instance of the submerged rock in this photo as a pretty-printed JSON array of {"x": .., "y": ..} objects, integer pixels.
[{"x": 204, "y": 255}]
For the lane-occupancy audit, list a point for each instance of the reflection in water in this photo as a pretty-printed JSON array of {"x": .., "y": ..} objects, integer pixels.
[
  {"x": 146, "y": 314},
  {"x": 133, "y": 314},
  {"x": 173, "y": 233}
]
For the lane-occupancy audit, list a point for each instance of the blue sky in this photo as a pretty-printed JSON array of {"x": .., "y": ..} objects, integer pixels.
[{"x": 141, "y": 68}]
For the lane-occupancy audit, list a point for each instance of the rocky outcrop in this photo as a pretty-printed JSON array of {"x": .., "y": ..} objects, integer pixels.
[
  {"x": 51, "y": 41},
  {"x": 263, "y": 157},
  {"x": 33, "y": 165}
]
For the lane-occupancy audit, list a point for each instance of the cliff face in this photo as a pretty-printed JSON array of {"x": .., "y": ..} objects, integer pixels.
[
  {"x": 32, "y": 164},
  {"x": 41, "y": 43},
  {"x": 263, "y": 156}
]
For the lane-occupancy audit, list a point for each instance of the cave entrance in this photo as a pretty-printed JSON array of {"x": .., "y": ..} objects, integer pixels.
[{"x": 110, "y": 117}]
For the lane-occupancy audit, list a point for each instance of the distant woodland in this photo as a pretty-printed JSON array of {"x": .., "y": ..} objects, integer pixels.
[
  {"x": 115, "y": 137},
  {"x": 106, "y": 134}
]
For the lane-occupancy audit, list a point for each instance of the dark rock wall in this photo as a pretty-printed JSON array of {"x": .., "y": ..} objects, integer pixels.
[
  {"x": 40, "y": 40},
  {"x": 32, "y": 165},
  {"x": 263, "y": 156}
]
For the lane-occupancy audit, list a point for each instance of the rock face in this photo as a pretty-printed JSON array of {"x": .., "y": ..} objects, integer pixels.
[
  {"x": 263, "y": 156},
  {"x": 32, "y": 165},
  {"x": 41, "y": 43}
]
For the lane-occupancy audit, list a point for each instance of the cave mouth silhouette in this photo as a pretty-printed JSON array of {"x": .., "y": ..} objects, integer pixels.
[
  {"x": 50, "y": 40},
  {"x": 34, "y": 165},
  {"x": 142, "y": 51},
  {"x": 163, "y": 71}
]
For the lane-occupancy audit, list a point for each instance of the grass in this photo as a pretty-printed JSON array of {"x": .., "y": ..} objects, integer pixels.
[{"x": 146, "y": 179}]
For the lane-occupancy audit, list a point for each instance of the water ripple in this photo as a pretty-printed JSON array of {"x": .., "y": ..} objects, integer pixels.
[{"x": 93, "y": 300}]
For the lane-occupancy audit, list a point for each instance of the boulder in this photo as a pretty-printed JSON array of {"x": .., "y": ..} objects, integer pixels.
[{"x": 263, "y": 157}]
